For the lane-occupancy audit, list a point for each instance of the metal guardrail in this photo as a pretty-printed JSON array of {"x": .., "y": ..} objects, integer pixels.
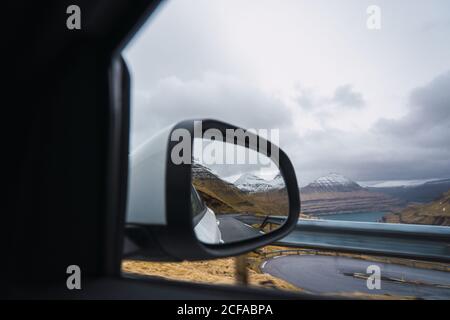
[{"x": 401, "y": 240}]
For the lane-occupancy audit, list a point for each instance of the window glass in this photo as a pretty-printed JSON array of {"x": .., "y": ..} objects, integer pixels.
[
  {"x": 361, "y": 105},
  {"x": 359, "y": 93}
]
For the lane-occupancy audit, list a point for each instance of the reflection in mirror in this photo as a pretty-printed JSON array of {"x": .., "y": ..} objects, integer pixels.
[{"x": 237, "y": 193}]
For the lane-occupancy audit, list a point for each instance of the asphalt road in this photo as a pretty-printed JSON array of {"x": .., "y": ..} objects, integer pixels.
[
  {"x": 234, "y": 230},
  {"x": 324, "y": 274}
]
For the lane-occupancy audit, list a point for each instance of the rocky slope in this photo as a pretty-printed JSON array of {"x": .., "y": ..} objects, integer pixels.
[
  {"x": 225, "y": 197},
  {"x": 433, "y": 213}
]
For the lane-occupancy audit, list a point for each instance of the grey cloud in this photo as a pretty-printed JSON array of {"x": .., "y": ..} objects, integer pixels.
[
  {"x": 345, "y": 96},
  {"x": 169, "y": 60},
  {"x": 415, "y": 146},
  {"x": 366, "y": 157},
  {"x": 184, "y": 39},
  {"x": 212, "y": 96},
  {"x": 428, "y": 122},
  {"x": 436, "y": 25},
  {"x": 307, "y": 99}
]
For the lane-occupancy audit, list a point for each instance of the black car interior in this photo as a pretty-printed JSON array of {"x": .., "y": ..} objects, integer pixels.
[{"x": 66, "y": 132}]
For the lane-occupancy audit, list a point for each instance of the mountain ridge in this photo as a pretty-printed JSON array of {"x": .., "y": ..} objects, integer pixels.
[
  {"x": 335, "y": 193},
  {"x": 225, "y": 197},
  {"x": 419, "y": 193},
  {"x": 332, "y": 182},
  {"x": 252, "y": 183}
]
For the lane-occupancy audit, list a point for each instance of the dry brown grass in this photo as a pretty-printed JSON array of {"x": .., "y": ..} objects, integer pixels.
[{"x": 219, "y": 271}]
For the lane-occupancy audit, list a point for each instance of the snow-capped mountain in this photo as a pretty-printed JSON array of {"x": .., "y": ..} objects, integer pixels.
[
  {"x": 332, "y": 182},
  {"x": 278, "y": 180},
  {"x": 335, "y": 193},
  {"x": 252, "y": 183},
  {"x": 224, "y": 196}
]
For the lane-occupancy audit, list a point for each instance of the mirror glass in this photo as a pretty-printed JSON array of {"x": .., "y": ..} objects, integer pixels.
[{"x": 237, "y": 193}]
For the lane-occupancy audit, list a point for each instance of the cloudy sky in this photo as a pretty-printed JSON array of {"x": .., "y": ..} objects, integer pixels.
[{"x": 369, "y": 104}]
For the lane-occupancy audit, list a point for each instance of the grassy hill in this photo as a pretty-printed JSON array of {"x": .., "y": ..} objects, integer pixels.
[
  {"x": 433, "y": 213},
  {"x": 224, "y": 197}
]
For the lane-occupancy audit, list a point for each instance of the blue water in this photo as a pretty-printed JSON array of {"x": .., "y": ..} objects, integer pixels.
[{"x": 374, "y": 216}]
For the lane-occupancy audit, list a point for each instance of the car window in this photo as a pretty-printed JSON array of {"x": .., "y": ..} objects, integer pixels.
[{"x": 358, "y": 94}]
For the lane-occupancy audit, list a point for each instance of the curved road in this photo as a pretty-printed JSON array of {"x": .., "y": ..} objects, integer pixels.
[
  {"x": 326, "y": 274},
  {"x": 234, "y": 230}
]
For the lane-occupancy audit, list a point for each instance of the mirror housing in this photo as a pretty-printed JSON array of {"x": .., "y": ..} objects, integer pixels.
[{"x": 159, "y": 224}]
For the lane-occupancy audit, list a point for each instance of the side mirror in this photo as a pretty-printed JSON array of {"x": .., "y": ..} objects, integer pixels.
[{"x": 207, "y": 189}]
